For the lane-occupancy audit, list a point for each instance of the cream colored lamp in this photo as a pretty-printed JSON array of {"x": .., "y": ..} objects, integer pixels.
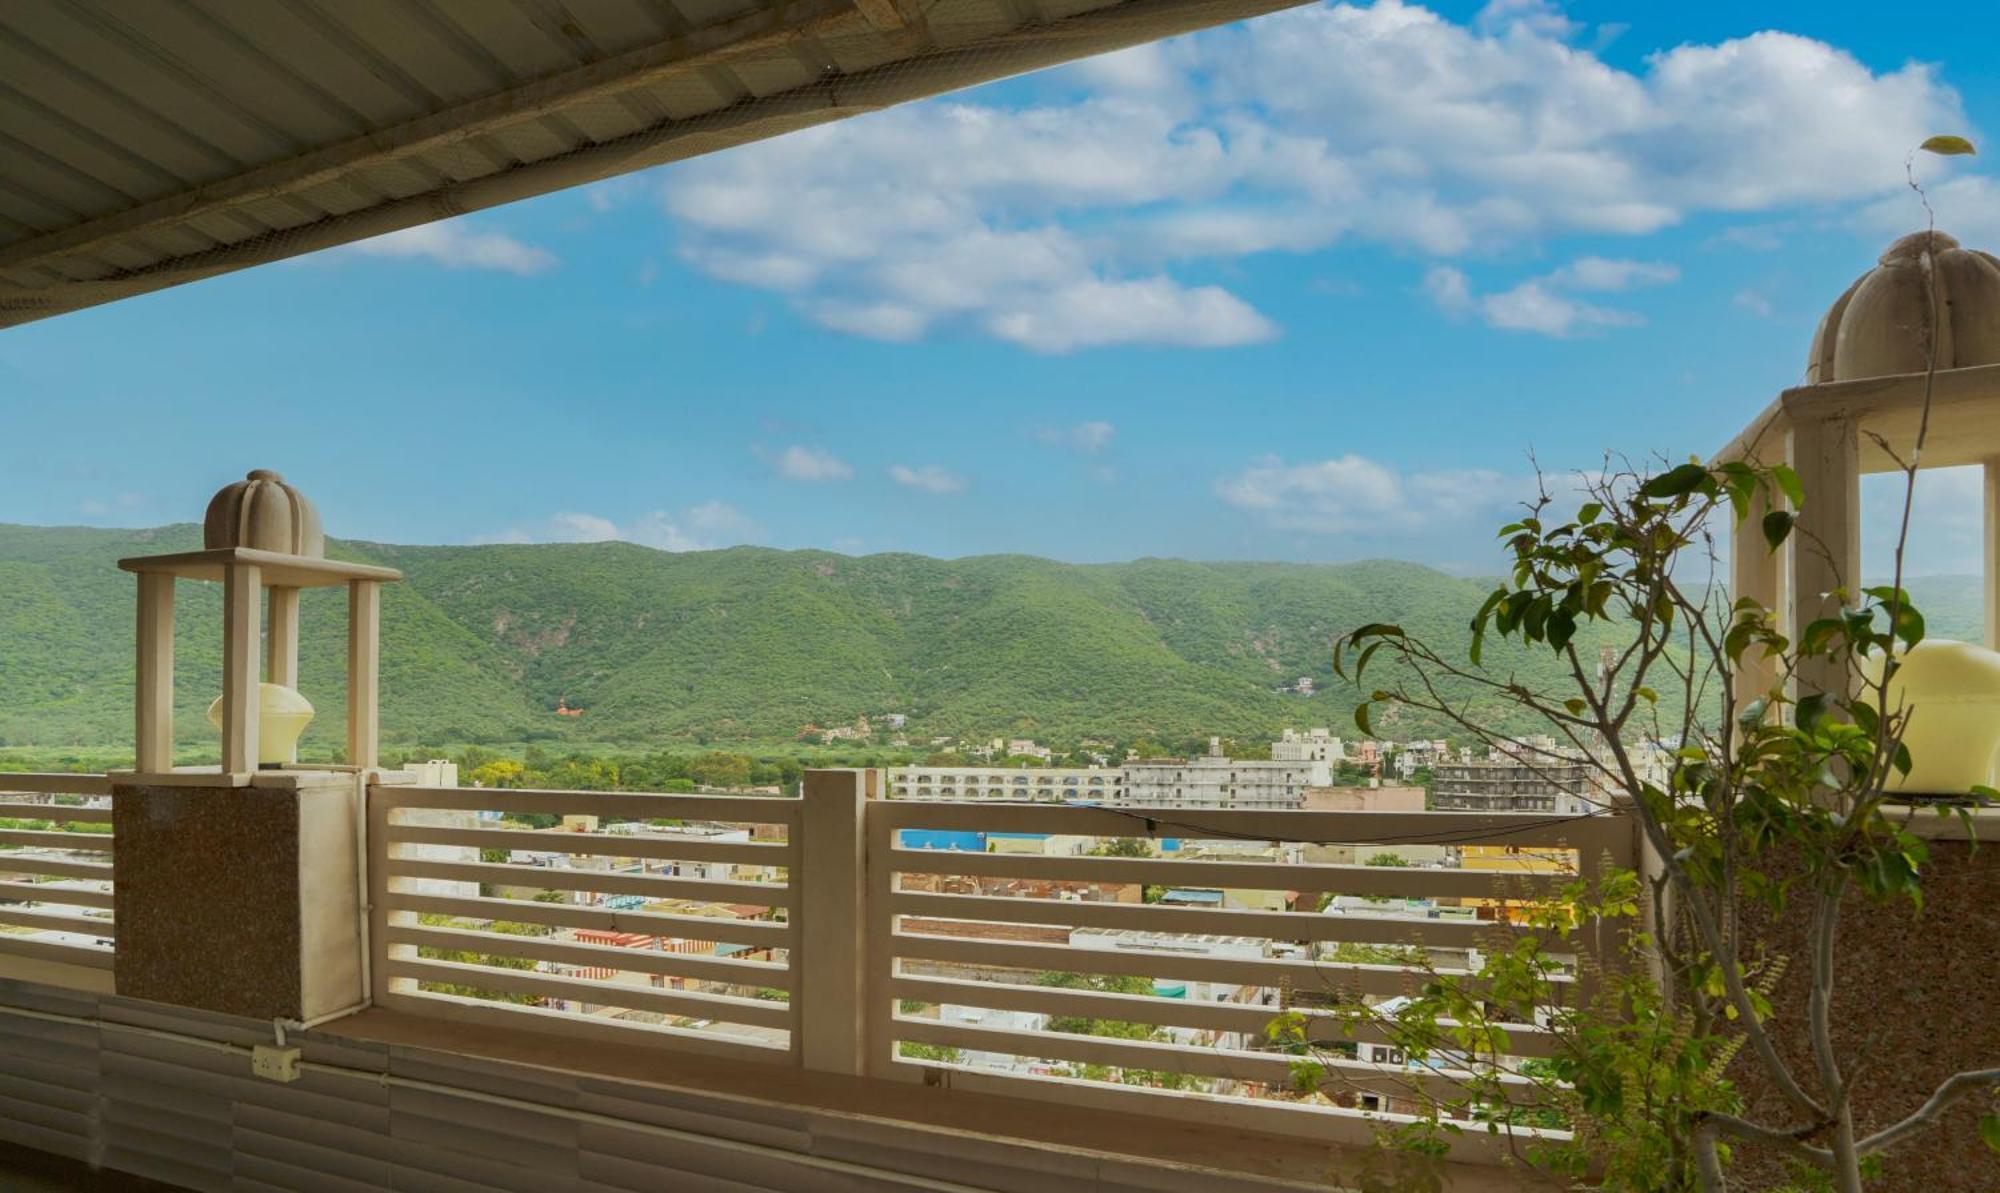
[
  {"x": 282, "y": 716},
  {"x": 1952, "y": 692},
  {"x": 262, "y": 540}
]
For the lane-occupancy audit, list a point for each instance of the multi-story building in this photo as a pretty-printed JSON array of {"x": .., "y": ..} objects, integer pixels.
[
  {"x": 1217, "y": 781},
  {"x": 1521, "y": 784},
  {"x": 1049, "y": 784},
  {"x": 1316, "y": 746}
]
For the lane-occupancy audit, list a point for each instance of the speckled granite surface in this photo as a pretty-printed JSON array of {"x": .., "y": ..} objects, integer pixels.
[
  {"x": 1929, "y": 984},
  {"x": 207, "y": 898}
]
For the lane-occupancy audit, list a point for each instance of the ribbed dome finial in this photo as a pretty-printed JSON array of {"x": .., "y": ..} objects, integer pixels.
[
  {"x": 1882, "y": 325},
  {"x": 261, "y": 511}
]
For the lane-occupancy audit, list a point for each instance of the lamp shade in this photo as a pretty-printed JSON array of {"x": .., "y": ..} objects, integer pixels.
[
  {"x": 1952, "y": 692},
  {"x": 282, "y": 716}
]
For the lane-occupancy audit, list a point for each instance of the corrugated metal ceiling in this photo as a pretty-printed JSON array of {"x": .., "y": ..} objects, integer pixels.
[{"x": 147, "y": 144}]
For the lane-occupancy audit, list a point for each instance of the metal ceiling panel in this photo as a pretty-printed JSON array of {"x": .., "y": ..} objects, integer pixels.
[{"x": 147, "y": 145}]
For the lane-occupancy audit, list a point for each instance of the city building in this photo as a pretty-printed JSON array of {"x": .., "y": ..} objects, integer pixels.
[
  {"x": 1555, "y": 784},
  {"x": 1316, "y": 746},
  {"x": 1049, "y": 784},
  {"x": 1217, "y": 781}
]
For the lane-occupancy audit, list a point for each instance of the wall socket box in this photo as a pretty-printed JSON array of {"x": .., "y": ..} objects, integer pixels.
[{"x": 275, "y": 1064}]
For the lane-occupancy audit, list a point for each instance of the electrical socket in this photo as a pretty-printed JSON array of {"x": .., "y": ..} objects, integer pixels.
[{"x": 275, "y": 1064}]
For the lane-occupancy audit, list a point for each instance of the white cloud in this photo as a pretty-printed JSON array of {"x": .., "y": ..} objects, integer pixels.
[
  {"x": 1352, "y": 494},
  {"x": 1533, "y": 306},
  {"x": 1088, "y": 437},
  {"x": 1536, "y": 16},
  {"x": 697, "y": 528},
  {"x": 1947, "y": 523},
  {"x": 1602, "y": 273},
  {"x": 930, "y": 478},
  {"x": 1752, "y": 301},
  {"x": 454, "y": 246},
  {"x": 1449, "y": 288},
  {"x": 1539, "y": 304},
  {"x": 1070, "y": 223},
  {"x": 810, "y": 465},
  {"x": 1968, "y": 209}
]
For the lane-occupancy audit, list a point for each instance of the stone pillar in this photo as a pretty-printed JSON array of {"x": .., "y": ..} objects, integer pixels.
[{"x": 240, "y": 899}]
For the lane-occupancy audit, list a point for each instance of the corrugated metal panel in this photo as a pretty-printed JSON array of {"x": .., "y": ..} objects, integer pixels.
[{"x": 145, "y": 145}]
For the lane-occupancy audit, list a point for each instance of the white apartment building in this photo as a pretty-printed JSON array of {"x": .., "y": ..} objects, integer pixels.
[
  {"x": 1216, "y": 781},
  {"x": 1316, "y": 746},
  {"x": 1044, "y": 784}
]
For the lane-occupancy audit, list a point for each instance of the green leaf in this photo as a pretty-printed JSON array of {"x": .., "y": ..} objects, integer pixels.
[
  {"x": 1948, "y": 146},
  {"x": 1646, "y": 694},
  {"x": 1789, "y": 483},
  {"x": 1777, "y": 527},
  {"x": 1361, "y": 720},
  {"x": 1589, "y": 512},
  {"x": 1676, "y": 482},
  {"x": 1989, "y": 1130}
]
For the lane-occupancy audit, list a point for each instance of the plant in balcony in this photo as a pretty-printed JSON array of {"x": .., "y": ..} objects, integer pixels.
[{"x": 1783, "y": 801}]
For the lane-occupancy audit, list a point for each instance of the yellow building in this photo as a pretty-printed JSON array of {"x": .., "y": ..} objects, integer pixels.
[{"x": 1514, "y": 859}]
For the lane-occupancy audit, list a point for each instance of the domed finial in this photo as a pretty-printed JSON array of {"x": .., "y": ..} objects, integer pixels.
[
  {"x": 262, "y": 512},
  {"x": 1882, "y": 325}
]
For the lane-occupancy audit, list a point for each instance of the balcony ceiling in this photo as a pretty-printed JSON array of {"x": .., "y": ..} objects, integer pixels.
[{"x": 145, "y": 145}]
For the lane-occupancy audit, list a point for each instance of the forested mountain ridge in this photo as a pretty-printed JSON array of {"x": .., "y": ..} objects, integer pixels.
[{"x": 751, "y": 644}]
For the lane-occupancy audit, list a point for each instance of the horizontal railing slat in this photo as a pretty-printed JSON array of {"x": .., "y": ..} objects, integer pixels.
[
  {"x": 651, "y": 961},
  {"x": 15, "y": 863},
  {"x": 1321, "y": 1025},
  {"x": 57, "y": 921},
  {"x": 48, "y": 839},
  {"x": 618, "y": 805},
  {"x": 1268, "y": 1068},
  {"x": 568, "y": 915},
  {"x": 45, "y": 950},
  {"x": 1379, "y": 881},
  {"x": 510, "y": 1017},
  {"x": 54, "y": 783},
  {"x": 595, "y": 844},
  {"x": 1336, "y": 979},
  {"x": 1333, "y": 828},
  {"x": 562, "y": 878},
  {"x": 752, "y": 1011},
  {"x": 58, "y": 813},
  {"x": 1143, "y": 917},
  {"x": 49, "y": 892}
]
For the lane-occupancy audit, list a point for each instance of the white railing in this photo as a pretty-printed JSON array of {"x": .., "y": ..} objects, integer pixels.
[
  {"x": 1062, "y": 974},
  {"x": 655, "y": 918},
  {"x": 56, "y": 869},
  {"x": 812, "y": 932}
]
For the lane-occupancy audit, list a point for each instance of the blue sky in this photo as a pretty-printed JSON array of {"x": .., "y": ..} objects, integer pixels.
[{"x": 1308, "y": 288}]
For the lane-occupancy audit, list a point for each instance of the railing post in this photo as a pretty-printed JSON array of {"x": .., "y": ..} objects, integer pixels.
[{"x": 833, "y": 864}]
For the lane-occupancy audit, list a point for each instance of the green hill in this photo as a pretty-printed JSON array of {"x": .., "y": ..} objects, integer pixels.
[{"x": 748, "y": 644}]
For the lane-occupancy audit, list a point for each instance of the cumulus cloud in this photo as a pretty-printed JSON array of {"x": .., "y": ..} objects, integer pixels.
[
  {"x": 1541, "y": 305},
  {"x": 1968, "y": 208},
  {"x": 930, "y": 478},
  {"x": 1082, "y": 219},
  {"x": 808, "y": 465},
  {"x": 697, "y": 528},
  {"x": 1354, "y": 494},
  {"x": 1087, "y": 437},
  {"x": 454, "y": 246}
]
